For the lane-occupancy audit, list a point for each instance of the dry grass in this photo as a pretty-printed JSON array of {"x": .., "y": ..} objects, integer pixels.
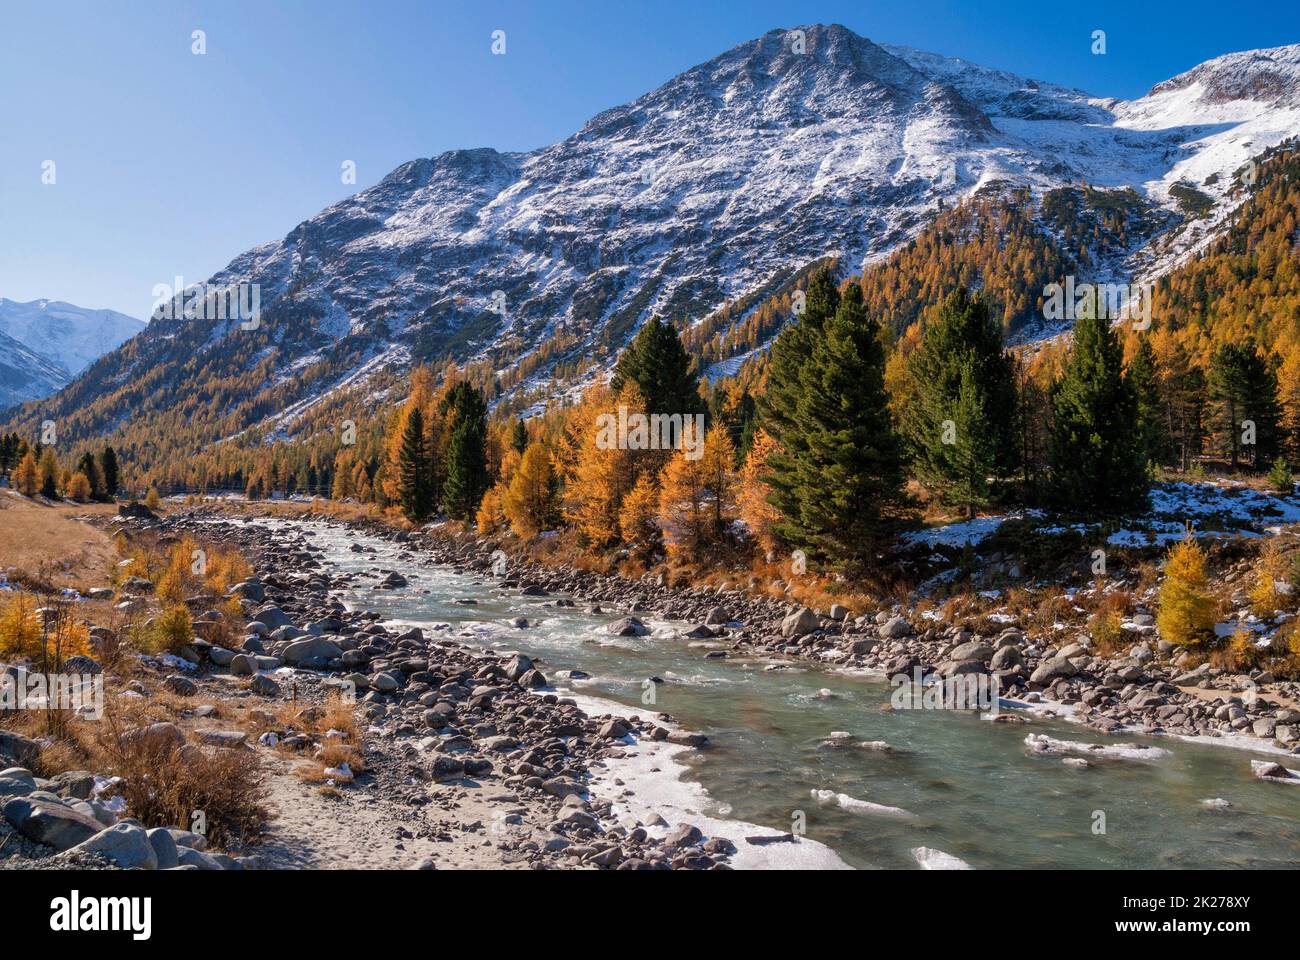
[
  {"x": 336, "y": 724},
  {"x": 66, "y": 551}
]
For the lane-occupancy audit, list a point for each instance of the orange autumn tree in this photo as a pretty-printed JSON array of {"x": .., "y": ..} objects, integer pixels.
[
  {"x": 600, "y": 474},
  {"x": 27, "y": 475},
  {"x": 751, "y": 494},
  {"x": 530, "y": 499},
  {"x": 696, "y": 499}
]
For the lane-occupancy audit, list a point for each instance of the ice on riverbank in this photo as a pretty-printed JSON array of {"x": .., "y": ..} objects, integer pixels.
[
  {"x": 930, "y": 859},
  {"x": 647, "y": 783},
  {"x": 1040, "y": 743},
  {"x": 866, "y": 808}
]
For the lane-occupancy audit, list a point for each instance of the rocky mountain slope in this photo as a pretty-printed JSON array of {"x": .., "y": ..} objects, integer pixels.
[
  {"x": 717, "y": 186},
  {"x": 25, "y": 375},
  {"x": 45, "y": 343}
]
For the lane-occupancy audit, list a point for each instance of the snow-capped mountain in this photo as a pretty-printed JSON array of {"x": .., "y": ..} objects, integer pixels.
[
  {"x": 26, "y": 375},
  {"x": 71, "y": 336},
  {"x": 718, "y": 185}
]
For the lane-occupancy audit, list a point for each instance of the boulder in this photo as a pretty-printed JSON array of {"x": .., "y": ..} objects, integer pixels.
[
  {"x": 249, "y": 590},
  {"x": 517, "y": 666},
  {"x": 717, "y": 616},
  {"x": 1051, "y": 670},
  {"x": 18, "y": 750},
  {"x": 181, "y": 686},
  {"x": 895, "y": 628},
  {"x": 1006, "y": 658},
  {"x": 123, "y": 844},
  {"x": 50, "y": 822},
  {"x": 164, "y": 847},
  {"x": 627, "y": 627},
  {"x": 264, "y": 686},
  {"x": 972, "y": 650},
  {"x": 312, "y": 648},
  {"x": 799, "y": 622}
]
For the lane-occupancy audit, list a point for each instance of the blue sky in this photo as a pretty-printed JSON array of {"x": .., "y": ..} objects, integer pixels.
[{"x": 168, "y": 163}]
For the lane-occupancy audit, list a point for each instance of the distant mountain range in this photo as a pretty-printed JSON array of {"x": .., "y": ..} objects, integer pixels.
[
  {"x": 715, "y": 188},
  {"x": 45, "y": 343}
]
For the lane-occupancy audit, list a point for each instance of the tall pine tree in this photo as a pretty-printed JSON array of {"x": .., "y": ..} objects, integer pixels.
[
  {"x": 661, "y": 368},
  {"x": 109, "y": 472},
  {"x": 1098, "y": 464},
  {"x": 778, "y": 406},
  {"x": 961, "y": 423},
  {"x": 1243, "y": 405},
  {"x": 1144, "y": 375},
  {"x": 844, "y": 476},
  {"x": 465, "y": 455},
  {"x": 416, "y": 475}
]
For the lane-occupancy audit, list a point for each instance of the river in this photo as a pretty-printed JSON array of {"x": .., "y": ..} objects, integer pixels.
[{"x": 964, "y": 785}]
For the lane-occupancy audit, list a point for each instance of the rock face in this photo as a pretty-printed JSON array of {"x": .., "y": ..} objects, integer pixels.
[{"x": 747, "y": 150}]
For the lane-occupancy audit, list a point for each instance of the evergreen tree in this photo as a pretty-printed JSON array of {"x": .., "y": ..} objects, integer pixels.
[
  {"x": 1098, "y": 464},
  {"x": 466, "y": 451},
  {"x": 778, "y": 406},
  {"x": 961, "y": 374},
  {"x": 1243, "y": 402},
  {"x": 109, "y": 472},
  {"x": 87, "y": 467},
  {"x": 846, "y": 473},
  {"x": 9, "y": 455},
  {"x": 414, "y": 484},
  {"x": 1145, "y": 378},
  {"x": 1182, "y": 401},
  {"x": 519, "y": 438},
  {"x": 660, "y": 367}
]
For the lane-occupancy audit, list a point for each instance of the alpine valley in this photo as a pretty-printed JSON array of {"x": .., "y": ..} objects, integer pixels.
[{"x": 698, "y": 202}]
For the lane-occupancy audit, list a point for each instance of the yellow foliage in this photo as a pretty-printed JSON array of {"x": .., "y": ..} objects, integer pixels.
[
  {"x": 20, "y": 626},
  {"x": 752, "y": 492},
  {"x": 22, "y": 633},
  {"x": 27, "y": 477},
  {"x": 491, "y": 516},
  {"x": 78, "y": 488},
  {"x": 529, "y": 501},
  {"x": 172, "y": 629},
  {"x": 695, "y": 500},
  {"x": 1186, "y": 612},
  {"x": 639, "y": 516},
  {"x": 1266, "y": 599}
]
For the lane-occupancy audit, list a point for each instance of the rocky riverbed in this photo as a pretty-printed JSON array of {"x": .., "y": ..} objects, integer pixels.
[{"x": 470, "y": 757}]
